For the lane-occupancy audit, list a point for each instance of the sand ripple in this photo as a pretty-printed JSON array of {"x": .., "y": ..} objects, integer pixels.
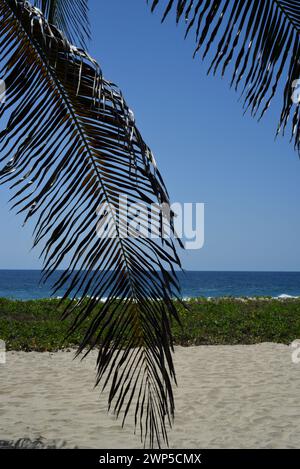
[{"x": 228, "y": 397}]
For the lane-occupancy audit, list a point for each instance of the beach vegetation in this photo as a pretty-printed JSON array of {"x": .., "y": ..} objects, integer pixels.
[{"x": 37, "y": 326}]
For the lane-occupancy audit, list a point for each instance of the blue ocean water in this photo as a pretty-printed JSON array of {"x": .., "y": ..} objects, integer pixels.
[{"x": 25, "y": 284}]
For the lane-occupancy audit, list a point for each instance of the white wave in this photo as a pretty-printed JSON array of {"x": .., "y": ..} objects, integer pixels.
[{"x": 286, "y": 297}]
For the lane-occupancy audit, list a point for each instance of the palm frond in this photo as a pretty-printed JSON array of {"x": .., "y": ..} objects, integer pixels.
[
  {"x": 69, "y": 16},
  {"x": 69, "y": 144},
  {"x": 261, "y": 39}
]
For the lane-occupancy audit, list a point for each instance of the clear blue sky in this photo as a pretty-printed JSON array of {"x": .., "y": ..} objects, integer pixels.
[{"x": 206, "y": 150}]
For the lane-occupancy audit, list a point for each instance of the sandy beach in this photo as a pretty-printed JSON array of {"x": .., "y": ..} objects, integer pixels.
[{"x": 228, "y": 397}]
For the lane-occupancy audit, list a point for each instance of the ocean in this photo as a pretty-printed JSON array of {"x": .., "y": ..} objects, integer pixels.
[{"x": 25, "y": 284}]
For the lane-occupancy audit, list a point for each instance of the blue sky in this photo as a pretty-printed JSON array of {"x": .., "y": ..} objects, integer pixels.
[{"x": 206, "y": 150}]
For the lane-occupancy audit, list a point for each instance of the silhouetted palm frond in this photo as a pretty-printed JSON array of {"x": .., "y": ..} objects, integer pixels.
[
  {"x": 69, "y": 144},
  {"x": 260, "y": 38},
  {"x": 70, "y": 17}
]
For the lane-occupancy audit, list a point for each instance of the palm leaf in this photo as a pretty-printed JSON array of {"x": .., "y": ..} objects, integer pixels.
[
  {"x": 261, "y": 39},
  {"x": 69, "y": 144},
  {"x": 70, "y": 17}
]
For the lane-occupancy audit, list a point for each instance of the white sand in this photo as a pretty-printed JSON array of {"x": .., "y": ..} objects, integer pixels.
[{"x": 228, "y": 397}]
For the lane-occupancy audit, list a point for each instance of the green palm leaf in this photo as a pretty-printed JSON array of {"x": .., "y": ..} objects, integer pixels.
[
  {"x": 261, "y": 41},
  {"x": 70, "y": 17},
  {"x": 69, "y": 143}
]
